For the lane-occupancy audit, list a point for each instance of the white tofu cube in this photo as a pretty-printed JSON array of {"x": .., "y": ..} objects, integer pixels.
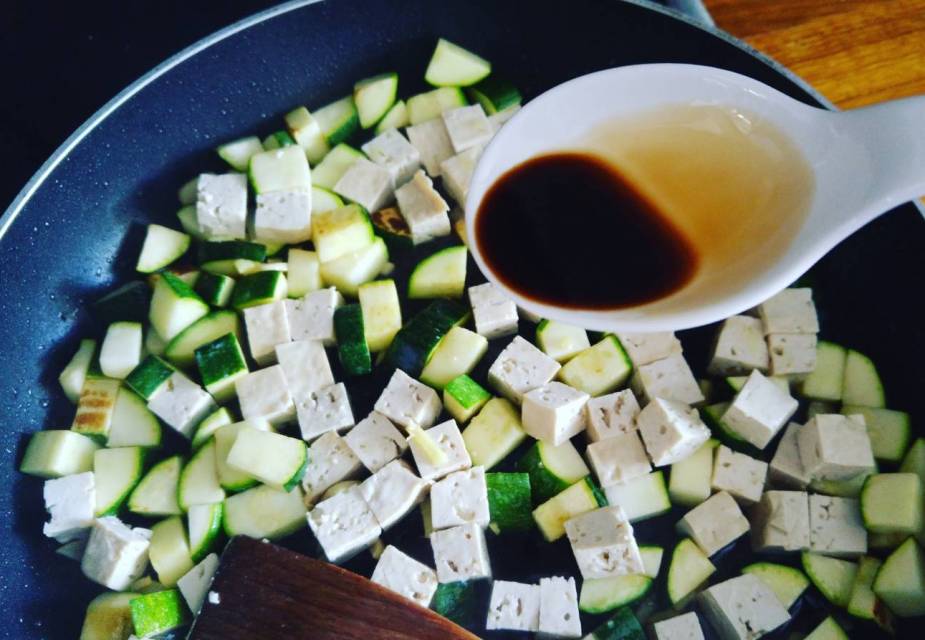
[
  {"x": 603, "y": 543},
  {"x": 780, "y": 522},
  {"x": 423, "y": 209},
  {"x": 305, "y": 365},
  {"x": 457, "y": 173},
  {"x": 743, "y": 608},
  {"x": 670, "y": 378},
  {"x": 521, "y": 368},
  {"x": 792, "y": 353},
  {"x": 392, "y": 492},
  {"x": 467, "y": 127},
  {"x": 683, "y": 627},
  {"x": 267, "y": 326},
  {"x": 494, "y": 313},
  {"x": 391, "y": 150},
  {"x": 449, "y": 440},
  {"x": 790, "y": 311},
  {"x": 714, "y": 523},
  {"x": 399, "y": 572},
  {"x": 221, "y": 206},
  {"x": 514, "y": 606},
  {"x": 559, "y": 616},
  {"x": 367, "y": 184},
  {"x": 432, "y": 141},
  {"x": 835, "y": 447},
  {"x": 786, "y": 468},
  {"x": 741, "y": 475},
  {"x": 619, "y": 459},
  {"x": 194, "y": 585},
  {"x": 739, "y": 348},
  {"x": 460, "y": 498},
  {"x": 71, "y": 503},
  {"x": 407, "y": 402},
  {"x": 283, "y": 216},
  {"x": 835, "y": 526},
  {"x": 643, "y": 348},
  {"x": 312, "y": 317},
  {"x": 181, "y": 403},
  {"x": 759, "y": 410},
  {"x": 460, "y": 553},
  {"x": 611, "y": 415},
  {"x": 116, "y": 554},
  {"x": 376, "y": 441},
  {"x": 343, "y": 524},
  {"x": 323, "y": 410},
  {"x": 265, "y": 394},
  {"x": 330, "y": 461},
  {"x": 671, "y": 431},
  {"x": 554, "y": 412}
]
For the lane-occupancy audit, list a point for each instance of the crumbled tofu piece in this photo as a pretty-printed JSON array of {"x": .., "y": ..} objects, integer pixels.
[
  {"x": 683, "y": 627},
  {"x": 221, "y": 206},
  {"x": 327, "y": 409},
  {"x": 432, "y": 141},
  {"x": 619, "y": 459},
  {"x": 741, "y": 475},
  {"x": 494, "y": 313},
  {"x": 467, "y": 127},
  {"x": 423, "y": 209},
  {"x": 391, "y": 150},
  {"x": 743, "y": 608},
  {"x": 283, "y": 216},
  {"x": 835, "y": 526},
  {"x": 670, "y": 378},
  {"x": 405, "y": 576},
  {"x": 739, "y": 348},
  {"x": 392, "y": 492},
  {"x": 267, "y": 326},
  {"x": 792, "y": 353},
  {"x": 265, "y": 394},
  {"x": 460, "y": 553},
  {"x": 786, "y": 468},
  {"x": 460, "y": 498},
  {"x": 407, "y": 402},
  {"x": 195, "y": 583},
  {"x": 457, "y": 173},
  {"x": 376, "y": 441},
  {"x": 330, "y": 461},
  {"x": 71, "y": 503},
  {"x": 521, "y": 368},
  {"x": 181, "y": 403},
  {"x": 759, "y": 410},
  {"x": 312, "y": 317},
  {"x": 790, "y": 311},
  {"x": 603, "y": 543},
  {"x": 343, "y": 524},
  {"x": 554, "y": 412},
  {"x": 116, "y": 554},
  {"x": 835, "y": 447},
  {"x": 367, "y": 184},
  {"x": 612, "y": 415},
  {"x": 305, "y": 365},
  {"x": 714, "y": 523},
  {"x": 780, "y": 522},
  {"x": 559, "y": 616},
  {"x": 645, "y": 348},
  {"x": 514, "y": 606},
  {"x": 447, "y": 437},
  {"x": 671, "y": 431}
]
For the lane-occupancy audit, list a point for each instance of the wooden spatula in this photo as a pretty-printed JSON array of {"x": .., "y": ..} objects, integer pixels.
[{"x": 266, "y": 592}]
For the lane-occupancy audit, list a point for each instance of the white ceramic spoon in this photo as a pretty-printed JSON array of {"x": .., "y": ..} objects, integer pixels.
[{"x": 864, "y": 161}]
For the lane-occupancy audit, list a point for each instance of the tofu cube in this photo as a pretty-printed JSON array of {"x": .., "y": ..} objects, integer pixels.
[
  {"x": 457, "y": 173},
  {"x": 392, "y": 492},
  {"x": 670, "y": 378},
  {"x": 739, "y": 348},
  {"x": 467, "y": 127},
  {"x": 343, "y": 525},
  {"x": 265, "y": 394},
  {"x": 743, "y": 608},
  {"x": 714, "y": 523},
  {"x": 449, "y": 440},
  {"x": 521, "y": 368},
  {"x": 780, "y": 522},
  {"x": 792, "y": 353},
  {"x": 283, "y": 216},
  {"x": 460, "y": 498},
  {"x": 181, "y": 403},
  {"x": 645, "y": 348},
  {"x": 671, "y": 431},
  {"x": 790, "y": 311},
  {"x": 460, "y": 553},
  {"x": 305, "y": 365},
  {"x": 835, "y": 526},
  {"x": 407, "y": 402},
  {"x": 835, "y": 447},
  {"x": 603, "y": 543},
  {"x": 367, "y": 184},
  {"x": 740, "y": 475},
  {"x": 116, "y": 554},
  {"x": 432, "y": 141},
  {"x": 786, "y": 468},
  {"x": 559, "y": 616},
  {"x": 391, "y": 150},
  {"x": 330, "y": 461},
  {"x": 759, "y": 410},
  {"x": 611, "y": 415},
  {"x": 683, "y": 627},
  {"x": 619, "y": 459},
  {"x": 554, "y": 412},
  {"x": 267, "y": 326},
  {"x": 423, "y": 209},
  {"x": 312, "y": 317},
  {"x": 71, "y": 503},
  {"x": 221, "y": 206},
  {"x": 376, "y": 441},
  {"x": 399, "y": 572},
  {"x": 514, "y": 606},
  {"x": 324, "y": 410},
  {"x": 494, "y": 313}
]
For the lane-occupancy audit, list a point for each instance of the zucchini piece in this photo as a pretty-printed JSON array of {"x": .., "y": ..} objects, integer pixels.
[
  {"x": 73, "y": 375},
  {"x": 324, "y": 200},
  {"x": 494, "y": 433},
  {"x": 276, "y": 140},
  {"x": 334, "y": 166},
  {"x": 169, "y": 551},
  {"x": 276, "y": 460},
  {"x": 452, "y": 66},
  {"x": 494, "y": 94},
  {"x": 622, "y": 626},
  {"x": 509, "y": 502},
  {"x": 462, "y": 602},
  {"x": 133, "y": 424},
  {"x": 338, "y": 120},
  {"x": 220, "y": 251},
  {"x": 108, "y": 617},
  {"x": 889, "y": 431},
  {"x": 441, "y": 275},
  {"x": 188, "y": 220},
  {"x": 689, "y": 570},
  {"x": 214, "y": 288},
  {"x": 351, "y": 340},
  {"x": 900, "y": 583},
  {"x": 833, "y": 577},
  {"x": 392, "y": 227},
  {"x": 457, "y": 354},
  {"x": 885, "y": 541},
  {"x": 689, "y": 482},
  {"x": 174, "y": 306},
  {"x": 182, "y": 349},
  {"x": 210, "y": 424},
  {"x": 374, "y": 97},
  {"x": 552, "y": 468},
  {"x": 599, "y": 369},
  {"x": 95, "y": 408},
  {"x": 221, "y": 362},
  {"x": 651, "y": 559},
  {"x": 156, "y": 494},
  {"x": 148, "y": 377},
  {"x": 204, "y": 522},
  {"x": 258, "y": 288},
  {"x": 304, "y": 273},
  {"x": 600, "y": 595},
  {"x": 892, "y": 503},
  {"x": 381, "y": 313},
  {"x": 850, "y": 488},
  {"x": 306, "y": 131},
  {"x": 115, "y": 474},
  {"x": 162, "y": 246},
  {"x": 914, "y": 462},
  {"x": 463, "y": 397},
  {"x": 230, "y": 478},
  {"x": 561, "y": 341},
  {"x": 819, "y": 407},
  {"x": 186, "y": 194},
  {"x": 129, "y": 303},
  {"x": 341, "y": 231},
  {"x": 238, "y": 153},
  {"x": 413, "y": 345},
  {"x": 121, "y": 349},
  {"x": 57, "y": 453},
  {"x": 198, "y": 483},
  {"x": 579, "y": 498},
  {"x": 284, "y": 169},
  {"x": 826, "y": 381},
  {"x": 395, "y": 118},
  {"x": 264, "y": 512},
  {"x": 862, "y": 384},
  {"x": 787, "y": 583},
  {"x": 828, "y": 629},
  {"x": 353, "y": 269},
  {"x": 429, "y": 105},
  {"x": 641, "y": 498},
  {"x": 159, "y": 612},
  {"x": 864, "y": 603}
]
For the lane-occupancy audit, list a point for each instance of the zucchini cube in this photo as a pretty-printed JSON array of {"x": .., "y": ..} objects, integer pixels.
[
  {"x": 57, "y": 453},
  {"x": 221, "y": 362}
]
